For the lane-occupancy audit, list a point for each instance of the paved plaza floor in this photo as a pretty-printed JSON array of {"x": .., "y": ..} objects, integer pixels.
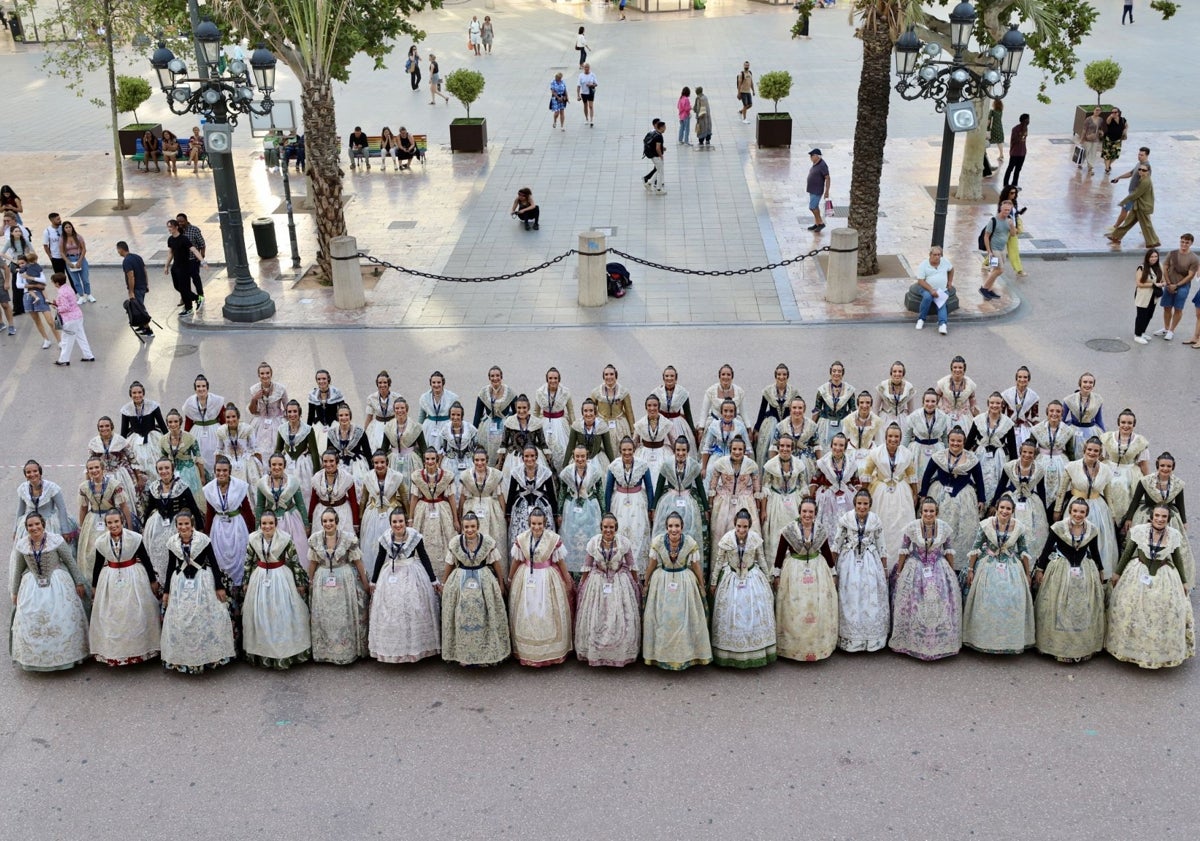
[{"x": 859, "y": 746}]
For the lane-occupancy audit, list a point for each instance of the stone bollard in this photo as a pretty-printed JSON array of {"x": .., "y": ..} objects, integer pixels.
[
  {"x": 347, "y": 274},
  {"x": 841, "y": 275},
  {"x": 593, "y": 276}
]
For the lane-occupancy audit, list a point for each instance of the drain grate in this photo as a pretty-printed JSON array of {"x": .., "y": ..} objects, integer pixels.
[
  {"x": 186, "y": 350},
  {"x": 1108, "y": 345},
  {"x": 522, "y": 150},
  {"x": 401, "y": 224},
  {"x": 1054, "y": 258},
  {"x": 1062, "y": 141},
  {"x": 1047, "y": 243}
]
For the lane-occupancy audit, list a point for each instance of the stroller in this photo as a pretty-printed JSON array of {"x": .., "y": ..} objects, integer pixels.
[
  {"x": 618, "y": 279},
  {"x": 139, "y": 319}
]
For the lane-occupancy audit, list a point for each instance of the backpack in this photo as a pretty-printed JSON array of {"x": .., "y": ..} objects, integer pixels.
[
  {"x": 650, "y": 144},
  {"x": 618, "y": 279},
  {"x": 985, "y": 230},
  {"x": 139, "y": 317}
]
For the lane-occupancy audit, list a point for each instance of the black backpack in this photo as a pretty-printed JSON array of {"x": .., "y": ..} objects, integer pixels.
[
  {"x": 985, "y": 230},
  {"x": 618, "y": 279},
  {"x": 650, "y": 144},
  {"x": 139, "y": 317}
]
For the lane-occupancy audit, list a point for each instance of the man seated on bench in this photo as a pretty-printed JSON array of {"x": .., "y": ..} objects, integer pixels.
[
  {"x": 359, "y": 144},
  {"x": 291, "y": 149},
  {"x": 406, "y": 148}
]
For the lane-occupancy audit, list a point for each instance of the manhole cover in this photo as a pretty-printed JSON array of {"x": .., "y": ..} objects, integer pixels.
[
  {"x": 186, "y": 350},
  {"x": 1108, "y": 345}
]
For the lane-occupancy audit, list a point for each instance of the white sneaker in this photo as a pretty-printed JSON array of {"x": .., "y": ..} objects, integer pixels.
[
  {"x": 45, "y": 344},
  {"x": 920, "y": 323},
  {"x": 745, "y": 122},
  {"x": 646, "y": 184},
  {"x": 662, "y": 191},
  {"x": 91, "y": 299},
  {"x": 1170, "y": 334},
  {"x": 942, "y": 329},
  {"x": 1161, "y": 331},
  {"x": 1141, "y": 340}
]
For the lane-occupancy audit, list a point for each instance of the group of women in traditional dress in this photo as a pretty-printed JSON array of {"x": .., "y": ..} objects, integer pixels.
[{"x": 868, "y": 522}]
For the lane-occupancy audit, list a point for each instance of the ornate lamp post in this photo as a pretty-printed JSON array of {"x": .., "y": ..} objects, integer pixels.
[
  {"x": 952, "y": 86},
  {"x": 220, "y": 98}
]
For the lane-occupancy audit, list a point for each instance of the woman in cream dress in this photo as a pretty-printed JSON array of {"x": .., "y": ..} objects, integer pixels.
[
  {"x": 716, "y": 394},
  {"x": 1163, "y": 487},
  {"x": 379, "y": 410},
  {"x": 835, "y": 402},
  {"x": 956, "y": 394},
  {"x": 680, "y": 489},
  {"x": 614, "y": 407},
  {"x": 1069, "y": 608},
  {"x": 333, "y": 488},
  {"x": 474, "y": 617},
  {"x": 1055, "y": 442},
  {"x": 431, "y": 506},
  {"x": 1083, "y": 412},
  {"x": 339, "y": 593},
  {"x": 49, "y": 625},
  {"x": 540, "y": 596},
  {"x": 675, "y": 404},
  {"x": 297, "y": 441},
  {"x": 890, "y": 474},
  {"x": 98, "y": 494},
  {"x": 743, "y": 617},
  {"x": 405, "y": 624},
  {"x": 674, "y": 627},
  {"x": 1127, "y": 453},
  {"x": 267, "y": 399},
  {"x": 895, "y": 397},
  {"x": 785, "y": 482},
  {"x": 118, "y": 457},
  {"x": 926, "y": 430},
  {"x": 734, "y": 483},
  {"x": 1088, "y": 479},
  {"x": 629, "y": 494},
  {"x": 276, "y": 631},
  {"x": 1021, "y": 404},
  {"x": 482, "y": 494},
  {"x": 864, "y": 613},
  {"x": 493, "y": 404},
  {"x": 235, "y": 441},
  {"x": 555, "y": 406},
  {"x": 991, "y": 437},
  {"x": 863, "y": 431},
  {"x": 203, "y": 412},
  {"x": 998, "y": 613},
  {"x": 124, "y": 626},
  {"x": 608, "y": 626},
  {"x": 384, "y": 490},
  {"x": 582, "y": 503},
  {"x": 652, "y": 437},
  {"x": 197, "y": 630},
  {"x": 806, "y": 601},
  {"x": 772, "y": 408}
]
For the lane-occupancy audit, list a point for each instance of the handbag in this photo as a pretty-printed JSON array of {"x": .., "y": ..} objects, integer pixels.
[
  {"x": 828, "y": 207},
  {"x": 58, "y": 325}
]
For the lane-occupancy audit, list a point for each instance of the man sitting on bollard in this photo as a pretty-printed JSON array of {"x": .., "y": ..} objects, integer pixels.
[{"x": 935, "y": 276}]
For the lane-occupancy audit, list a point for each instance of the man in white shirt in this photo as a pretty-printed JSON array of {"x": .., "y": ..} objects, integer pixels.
[
  {"x": 586, "y": 92},
  {"x": 52, "y": 243},
  {"x": 935, "y": 276}
]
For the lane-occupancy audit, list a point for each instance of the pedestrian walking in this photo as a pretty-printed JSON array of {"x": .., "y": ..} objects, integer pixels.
[
  {"x": 581, "y": 47},
  {"x": 818, "y": 187},
  {"x": 1014, "y": 243},
  {"x": 745, "y": 90},
  {"x": 995, "y": 127},
  {"x": 1093, "y": 131},
  {"x": 558, "y": 102},
  {"x": 75, "y": 252},
  {"x": 684, "y": 106},
  {"x": 435, "y": 81},
  {"x": 585, "y": 92},
  {"x": 197, "y": 260},
  {"x": 652, "y": 143},
  {"x": 6, "y": 307},
  {"x": 413, "y": 65},
  {"x": 1127, "y": 12},
  {"x": 72, "y": 322},
  {"x": 935, "y": 276},
  {"x": 35, "y": 297},
  {"x": 1134, "y": 175},
  {"x": 180, "y": 252},
  {"x": 52, "y": 239},
  {"x": 703, "y": 118},
  {"x": 488, "y": 33},
  {"x": 133, "y": 267},
  {"x": 996, "y": 234},
  {"x": 475, "y": 34},
  {"x": 17, "y": 241},
  {"x": 1148, "y": 287},
  {"x": 1116, "y": 129},
  {"x": 1142, "y": 199},
  {"x": 1016, "y": 150},
  {"x": 1180, "y": 267}
]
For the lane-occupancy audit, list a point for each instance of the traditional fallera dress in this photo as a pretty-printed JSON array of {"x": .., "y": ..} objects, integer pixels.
[
  {"x": 862, "y": 436},
  {"x": 458, "y": 448},
  {"x": 836, "y": 484},
  {"x": 582, "y": 498},
  {"x": 1023, "y": 409},
  {"x": 268, "y": 418},
  {"x": 404, "y": 447},
  {"x": 955, "y": 400},
  {"x": 142, "y": 426},
  {"x": 710, "y": 409},
  {"x": 1150, "y": 620},
  {"x": 730, "y": 489},
  {"x": 405, "y": 622},
  {"x": 831, "y": 407},
  {"x": 998, "y": 611},
  {"x": 674, "y": 627},
  {"x": 772, "y": 408},
  {"x": 434, "y": 415},
  {"x": 596, "y": 439},
  {"x": 49, "y": 625},
  {"x": 1069, "y": 608},
  {"x": 783, "y": 486},
  {"x": 238, "y": 447},
  {"x": 286, "y": 502},
  {"x": 807, "y": 446},
  {"x": 539, "y": 600},
  {"x": 1126, "y": 459},
  {"x": 894, "y": 406},
  {"x": 322, "y": 411},
  {"x": 743, "y": 614},
  {"x": 524, "y": 495},
  {"x": 353, "y": 451},
  {"x": 682, "y": 491},
  {"x": 98, "y": 500},
  {"x": 957, "y": 485},
  {"x": 124, "y": 627},
  {"x": 718, "y": 437},
  {"x": 158, "y": 515},
  {"x": 474, "y": 618},
  {"x": 890, "y": 479},
  {"x": 47, "y": 501},
  {"x": 1150, "y": 492},
  {"x": 516, "y": 437},
  {"x": 275, "y": 617},
  {"x": 806, "y": 603},
  {"x": 380, "y": 498},
  {"x": 1091, "y": 486},
  {"x": 380, "y": 411},
  {"x": 1053, "y": 449},
  {"x": 197, "y": 631},
  {"x": 202, "y": 422},
  {"x": 482, "y": 497},
  {"x": 864, "y": 614},
  {"x": 490, "y": 411},
  {"x": 230, "y": 520},
  {"x": 1085, "y": 417},
  {"x": 185, "y": 457},
  {"x": 629, "y": 495},
  {"x": 300, "y": 453},
  {"x": 995, "y": 444},
  {"x": 614, "y": 411},
  {"x": 1028, "y": 488},
  {"x": 652, "y": 444},
  {"x": 676, "y": 407},
  {"x": 338, "y": 603},
  {"x": 557, "y": 412},
  {"x": 608, "y": 622},
  {"x": 120, "y": 462},
  {"x": 338, "y": 495},
  {"x": 433, "y": 510},
  {"x": 927, "y": 608},
  {"x": 925, "y": 435}
]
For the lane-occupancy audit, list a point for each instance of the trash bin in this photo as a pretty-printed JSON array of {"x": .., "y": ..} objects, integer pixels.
[
  {"x": 14, "y": 26},
  {"x": 264, "y": 237}
]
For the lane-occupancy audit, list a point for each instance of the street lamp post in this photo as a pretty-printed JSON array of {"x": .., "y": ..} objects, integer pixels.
[
  {"x": 220, "y": 98},
  {"x": 953, "y": 86}
]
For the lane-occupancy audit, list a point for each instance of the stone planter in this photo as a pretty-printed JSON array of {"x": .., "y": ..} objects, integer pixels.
[
  {"x": 129, "y": 135},
  {"x": 773, "y": 129},
  {"x": 468, "y": 134},
  {"x": 1082, "y": 112}
]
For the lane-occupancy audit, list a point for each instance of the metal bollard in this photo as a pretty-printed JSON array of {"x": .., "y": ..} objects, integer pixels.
[
  {"x": 347, "y": 275},
  {"x": 593, "y": 276},
  {"x": 841, "y": 277}
]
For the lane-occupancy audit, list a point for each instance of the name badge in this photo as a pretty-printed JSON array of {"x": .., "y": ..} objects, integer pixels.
[
  {"x": 680, "y": 502},
  {"x": 608, "y": 589},
  {"x": 1001, "y": 568},
  {"x": 809, "y": 577},
  {"x": 482, "y": 514},
  {"x": 99, "y": 524},
  {"x": 189, "y": 584},
  {"x": 1076, "y": 572},
  {"x": 530, "y": 580},
  {"x": 497, "y": 424},
  {"x": 612, "y": 424},
  {"x": 266, "y": 581},
  {"x": 392, "y": 579},
  {"x": 43, "y": 581},
  {"x": 672, "y": 586},
  {"x": 741, "y": 584},
  {"x": 331, "y": 581},
  {"x": 1147, "y": 579},
  {"x": 434, "y": 514},
  {"x": 472, "y": 584},
  {"x": 1021, "y": 506},
  {"x": 835, "y": 424},
  {"x": 120, "y": 580},
  {"x": 928, "y": 451},
  {"x": 549, "y": 434},
  {"x": 927, "y": 572}
]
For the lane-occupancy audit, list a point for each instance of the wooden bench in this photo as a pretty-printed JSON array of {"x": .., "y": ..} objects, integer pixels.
[
  {"x": 184, "y": 144},
  {"x": 375, "y": 146}
]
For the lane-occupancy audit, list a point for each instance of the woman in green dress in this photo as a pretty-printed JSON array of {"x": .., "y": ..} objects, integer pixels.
[
  {"x": 474, "y": 618},
  {"x": 674, "y": 628}
]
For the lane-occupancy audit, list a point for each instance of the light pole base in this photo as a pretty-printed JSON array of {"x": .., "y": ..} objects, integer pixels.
[{"x": 248, "y": 307}]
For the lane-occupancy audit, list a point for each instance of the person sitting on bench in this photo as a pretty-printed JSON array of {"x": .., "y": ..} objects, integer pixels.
[
  {"x": 359, "y": 150},
  {"x": 406, "y": 148}
]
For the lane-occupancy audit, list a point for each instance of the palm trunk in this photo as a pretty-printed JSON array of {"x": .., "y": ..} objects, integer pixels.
[
  {"x": 870, "y": 136},
  {"x": 324, "y": 169},
  {"x": 118, "y": 158},
  {"x": 970, "y": 173}
]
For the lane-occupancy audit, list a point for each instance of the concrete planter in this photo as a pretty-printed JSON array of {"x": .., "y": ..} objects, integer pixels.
[
  {"x": 773, "y": 129},
  {"x": 468, "y": 134},
  {"x": 129, "y": 135}
]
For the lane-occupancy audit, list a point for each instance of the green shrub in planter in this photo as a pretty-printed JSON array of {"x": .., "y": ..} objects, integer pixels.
[
  {"x": 775, "y": 85},
  {"x": 465, "y": 86},
  {"x": 1101, "y": 76}
]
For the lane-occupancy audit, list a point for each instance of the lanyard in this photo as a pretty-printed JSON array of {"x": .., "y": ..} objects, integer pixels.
[
  {"x": 330, "y": 485},
  {"x": 741, "y": 550},
  {"x": 725, "y": 439},
  {"x": 1090, "y": 475},
  {"x": 579, "y": 480},
  {"x": 117, "y": 546},
  {"x": 1002, "y": 536},
  {"x": 1163, "y": 492},
  {"x": 533, "y": 547},
  {"x": 478, "y": 484},
  {"x": 1020, "y": 404},
  {"x": 835, "y": 392},
  {"x": 608, "y": 554},
  {"x": 266, "y": 547},
  {"x": 330, "y": 553},
  {"x": 37, "y": 555},
  {"x": 780, "y": 400},
  {"x": 895, "y": 397},
  {"x": 384, "y": 405},
  {"x": 1076, "y": 539},
  {"x": 291, "y": 436},
  {"x": 928, "y": 538},
  {"x": 223, "y": 496},
  {"x": 551, "y": 396},
  {"x": 437, "y": 480},
  {"x": 892, "y": 463},
  {"x": 673, "y": 554},
  {"x": 627, "y": 474},
  {"x": 187, "y": 552},
  {"x": 838, "y": 471},
  {"x": 1155, "y": 548},
  {"x": 35, "y": 499},
  {"x": 462, "y": 542},
  {"x": 861, "y": 527},
  {"x": 1051, "y": 434},
  {"x": 437, "y": 407},
  {"x": 98, "y": 499},
  {"x": 277, "y": 492},
  {"x": 807, "y": 541},
  {"x": 991, "y": 430},
  {"x": 953, "y": 464},
  {"x": 1121, "y": 451},
  {"x": 203, "y": 410},
  {"x": 669, "y": 395},
  {"x": 956, "y": 393},
  {"x": 785, "y": 468},
  {"x": 611, "y": 401},
  {"x": 930, "y": 420}
]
